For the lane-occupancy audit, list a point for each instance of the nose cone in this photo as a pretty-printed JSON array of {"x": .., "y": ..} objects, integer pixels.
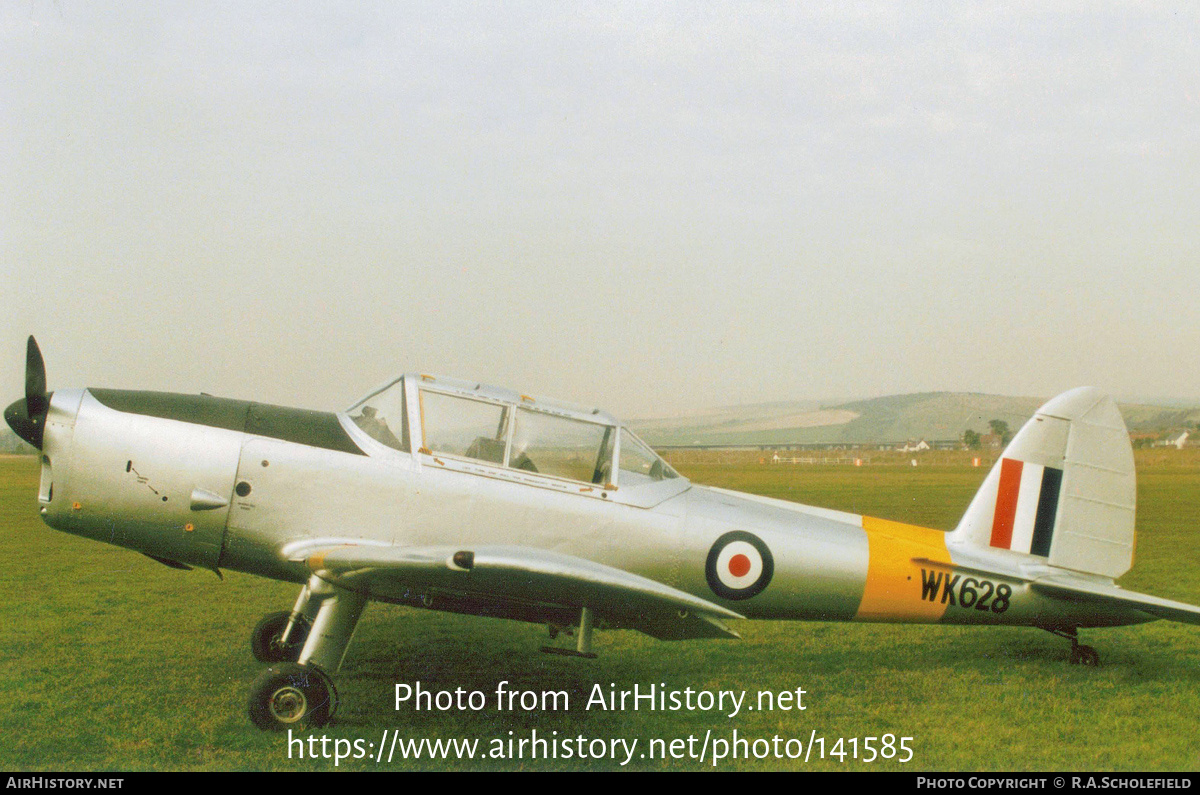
[{"x": 28, "y": 428}]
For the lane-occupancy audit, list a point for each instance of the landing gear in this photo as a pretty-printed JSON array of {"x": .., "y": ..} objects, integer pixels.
[
  {"x": 279, "y": 638},
  {"x": 583, "y": 644},
  {"x": 1084, "y": 655},
  {"x": 296, "y": 692},
  {"x": 1080, "y": 654},
  {"x": 291, "y": 696}
]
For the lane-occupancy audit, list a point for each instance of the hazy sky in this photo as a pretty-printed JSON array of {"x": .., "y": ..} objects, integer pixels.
[{"x": 645, "y": 206}]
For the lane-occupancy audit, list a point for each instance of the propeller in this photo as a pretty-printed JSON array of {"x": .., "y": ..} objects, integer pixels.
[
  {"x": 27, "y": 417},
  {"x": 36, "y": 398}
]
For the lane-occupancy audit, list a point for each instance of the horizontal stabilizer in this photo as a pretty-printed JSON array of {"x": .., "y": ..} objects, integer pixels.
[
  {"x": 1076, "y": 590},
  {"x": 532, "y": 578}
]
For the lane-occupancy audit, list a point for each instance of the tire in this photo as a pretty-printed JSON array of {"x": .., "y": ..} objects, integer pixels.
[
  {"x": 264, "y": 640},
  {"x": 291, "y": 696}
]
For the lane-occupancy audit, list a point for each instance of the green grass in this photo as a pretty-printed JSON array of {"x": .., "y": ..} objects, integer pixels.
[{"x": 111, "y": 661}]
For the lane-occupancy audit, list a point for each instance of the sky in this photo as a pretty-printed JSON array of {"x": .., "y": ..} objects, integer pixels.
[{"x": 650, "y": 207}]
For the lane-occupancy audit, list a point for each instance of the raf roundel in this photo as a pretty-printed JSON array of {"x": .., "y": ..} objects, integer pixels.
[{"x": 739, "y": 565}]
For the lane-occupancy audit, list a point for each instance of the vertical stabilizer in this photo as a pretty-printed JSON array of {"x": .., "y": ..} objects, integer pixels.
[{"x": 1064, "y": 489}]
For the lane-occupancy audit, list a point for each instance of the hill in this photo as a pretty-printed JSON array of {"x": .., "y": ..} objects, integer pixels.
[{"x": 882, "y": 420}]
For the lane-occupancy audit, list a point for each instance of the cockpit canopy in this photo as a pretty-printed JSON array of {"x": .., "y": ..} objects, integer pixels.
[{"x": 505, "y": 429}]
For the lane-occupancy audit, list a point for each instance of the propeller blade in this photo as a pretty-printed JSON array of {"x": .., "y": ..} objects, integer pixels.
[
  {"x": 36, "y": 400},
  {"x": 27, "y": 417}
]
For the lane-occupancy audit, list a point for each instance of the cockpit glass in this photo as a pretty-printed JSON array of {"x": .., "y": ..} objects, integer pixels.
[
  {"x": 384, "y": 417},
  {"x": 464, "y": 427},
  {"x": 533, "y": 438},
  {"x": 639, "y": 464},
  {"x": 560, "y": 446}
]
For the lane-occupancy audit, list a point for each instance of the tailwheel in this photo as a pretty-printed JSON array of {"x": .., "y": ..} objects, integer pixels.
[
  {"x": 291, "y": 696},
  {"x": 272, "y": 642},
  {"x": 1080, "y": 654},
  {"x": 1084, "y": 655}
]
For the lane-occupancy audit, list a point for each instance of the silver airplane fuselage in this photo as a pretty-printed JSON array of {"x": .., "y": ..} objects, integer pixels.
[{"x": 224, "y": 484}]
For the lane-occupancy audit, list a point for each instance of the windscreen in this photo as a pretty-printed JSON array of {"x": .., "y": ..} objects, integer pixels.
[
  {"x": 639, "y": 464},
  {"x": 383, "y": 416}
]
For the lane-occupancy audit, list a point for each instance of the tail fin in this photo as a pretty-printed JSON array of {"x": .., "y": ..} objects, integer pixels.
[{"x": 1064, "y": 489}]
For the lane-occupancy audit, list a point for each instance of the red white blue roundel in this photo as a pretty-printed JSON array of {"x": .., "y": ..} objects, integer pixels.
[{"x": 739, "y": 565}]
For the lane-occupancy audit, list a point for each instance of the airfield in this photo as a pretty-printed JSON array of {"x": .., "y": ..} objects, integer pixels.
[{"x": 112, "y": 661}]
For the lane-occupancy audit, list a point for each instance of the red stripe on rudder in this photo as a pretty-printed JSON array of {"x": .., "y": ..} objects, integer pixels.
[{"x": 1006, "y": 502}]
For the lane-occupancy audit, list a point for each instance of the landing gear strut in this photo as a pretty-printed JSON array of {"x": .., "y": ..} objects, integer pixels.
[
  {"x": 583, "y": 644},
  {"x": 1080, "y": 654},
  {"x": 297, "y": 692},
  {"x": 279, "y": 637}
]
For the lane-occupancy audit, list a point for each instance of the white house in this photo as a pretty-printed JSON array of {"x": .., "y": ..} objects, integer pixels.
[{"x": 1176, "y": 440}]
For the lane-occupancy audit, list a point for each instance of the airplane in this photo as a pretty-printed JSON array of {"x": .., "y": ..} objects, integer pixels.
[{"x": 452, "y": 495}]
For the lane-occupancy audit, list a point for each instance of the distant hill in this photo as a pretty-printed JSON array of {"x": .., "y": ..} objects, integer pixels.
[{"x": 891, "y": 419}]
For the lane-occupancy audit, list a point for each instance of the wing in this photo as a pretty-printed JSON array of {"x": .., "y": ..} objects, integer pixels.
[
  {"x": 1077, "y": 590},
  {"x": 519, "y": 582}
]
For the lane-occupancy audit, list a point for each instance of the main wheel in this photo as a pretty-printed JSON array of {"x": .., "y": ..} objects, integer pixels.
[
  {"x": 1085, "y": 655},
  {"x": 264, "y": 640},
  {"x": 291, "y": 696}
]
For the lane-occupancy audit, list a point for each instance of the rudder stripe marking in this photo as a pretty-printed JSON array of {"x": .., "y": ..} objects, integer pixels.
[
  {"x": 1043, "y": 526},
  {"x": 1006, "y": 502}
]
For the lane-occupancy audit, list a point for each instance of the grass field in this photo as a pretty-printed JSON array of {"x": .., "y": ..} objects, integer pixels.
[{"x": 111, "y": 661}]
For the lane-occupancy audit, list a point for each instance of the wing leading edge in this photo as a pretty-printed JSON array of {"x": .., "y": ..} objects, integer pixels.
[{"x": 520, "y": 582}]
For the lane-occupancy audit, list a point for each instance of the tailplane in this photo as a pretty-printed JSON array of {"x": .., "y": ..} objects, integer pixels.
[{"x": 1064, "y": 489}]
